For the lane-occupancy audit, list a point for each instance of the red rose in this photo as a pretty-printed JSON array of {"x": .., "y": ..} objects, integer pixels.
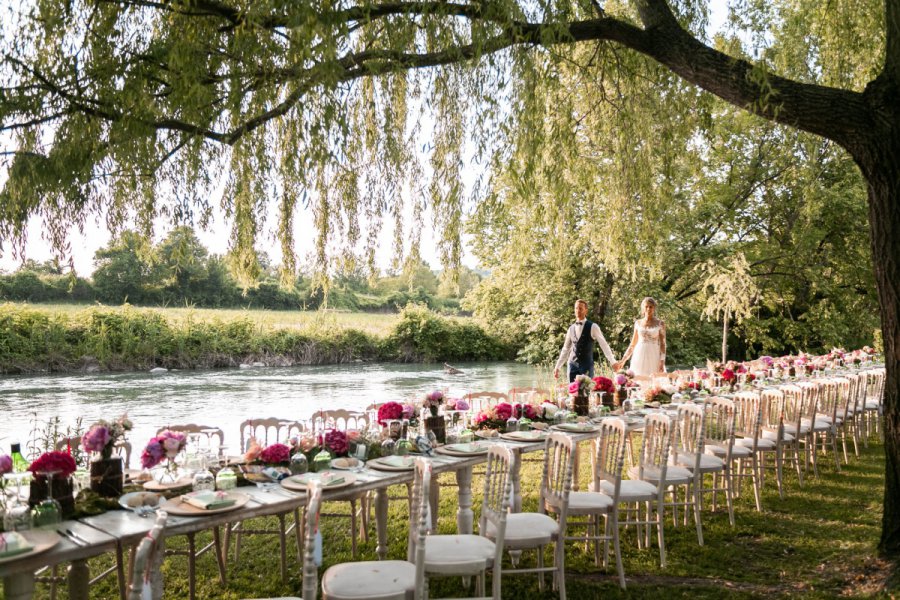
[
  {"x": 389, "y": 411},
  {"x": 61, "y": 463}
]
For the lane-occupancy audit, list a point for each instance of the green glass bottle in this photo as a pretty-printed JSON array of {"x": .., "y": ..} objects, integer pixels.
[{"x": 20, "y": 465}]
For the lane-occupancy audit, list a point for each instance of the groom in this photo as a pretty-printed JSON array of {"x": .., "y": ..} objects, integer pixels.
[{"x": 578, "y": 348}]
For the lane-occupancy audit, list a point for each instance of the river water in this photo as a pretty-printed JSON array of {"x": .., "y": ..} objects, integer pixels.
[{"x": 225, "y": 398}]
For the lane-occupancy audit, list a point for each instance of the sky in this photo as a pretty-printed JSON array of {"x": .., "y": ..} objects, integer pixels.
[{"x": 217, "y": 236}]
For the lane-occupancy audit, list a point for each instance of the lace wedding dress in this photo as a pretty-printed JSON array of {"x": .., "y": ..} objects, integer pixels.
[{"x": 645, "y": 358}]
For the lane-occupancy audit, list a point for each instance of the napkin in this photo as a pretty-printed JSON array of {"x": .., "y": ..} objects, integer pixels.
[
  {"x": 328, "y": 479},
  {"x": 398, "y": 461},
  {"x": 208, "y": 499},
  {"x": 13, "y": 542},
  {"x": 465, "y": 448}
]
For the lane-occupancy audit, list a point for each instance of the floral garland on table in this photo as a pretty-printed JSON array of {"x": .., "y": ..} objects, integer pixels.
[
  {"x": 166, "y": 444},
  {"x": 103, "y": 436},
  {"x": 61, "y": 463},
  {"x": 658, "y": 394},
  {"x": 496, "y": 416}
]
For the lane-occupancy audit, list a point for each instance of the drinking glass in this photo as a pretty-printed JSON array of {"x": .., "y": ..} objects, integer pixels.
[
  {"x": 48, "y": 512},
  {"x": 203, "y": 478},
  {"x": 18, "y": 515},
  {"x": 299, "y": 465}
]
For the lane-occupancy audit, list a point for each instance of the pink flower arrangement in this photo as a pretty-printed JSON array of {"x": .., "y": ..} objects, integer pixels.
[
  {"x": 604, "y": 384},
  {"x": 457, "y": 404},
  {"x": 740, "y": 368},
  {"x": 767, "y": 360},
  {"x": 103, "y": 435},
  {"x": 728, "y": 376},
  {"x": 503, "y": 411},
  {"x": 276, "y": 454},
  {"x": 6, "y": 464},
  {"x": 621, "y": 379},
  {"x": 336, "y": 441},
  {"x": 388, "y": 412},
  {"x": 433, "y": 401},
  {"x": 166, "y": 443},
  {"x": 750, "y": 378},
  {"x": 689, "y": 385},
  {"x": 61, "y": 463},
  {"x": 409, "y": 411}
]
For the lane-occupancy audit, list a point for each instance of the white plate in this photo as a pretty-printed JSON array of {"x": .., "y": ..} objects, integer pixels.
[
  {"x": 298, "y": 483},
  {"x": 123, "y": 501}
]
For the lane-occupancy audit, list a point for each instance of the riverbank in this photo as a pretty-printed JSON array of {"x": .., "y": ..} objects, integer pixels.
[{"x": 35, "y": 339}]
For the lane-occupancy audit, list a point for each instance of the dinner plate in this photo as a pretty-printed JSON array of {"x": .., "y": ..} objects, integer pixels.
[
  {"x": 524, "y": 436},
  {"x": 576, "y": 427},
  {"x": 359, "y": 465},
  {"x": 392, "y": 463},
  {"x": 155, "y": 486},
  {"x": 488, "y": 434},
  {"x": 467, "y": 449},
  {"x": 40, "y": 540},
  {"x": 175, "y": 506},
  {"x": 298, "y": 483},
  {"x": 144, "y": 498}
]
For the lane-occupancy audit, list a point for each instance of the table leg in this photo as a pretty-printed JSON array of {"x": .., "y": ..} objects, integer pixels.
[
  {"x": 381, "y": 516},
  {"x": 120, "y": 571},
  {"x": 19, "y": 586},
  {"x": 516, "y": 476},
  {"x": 464, "y": 514},
  {"x": 434, "y": 499},
  {"x": 79, "y": 576},
  {"x": 575, "y": 467}
]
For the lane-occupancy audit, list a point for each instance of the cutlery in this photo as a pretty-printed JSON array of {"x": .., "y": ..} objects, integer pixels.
[{"x": 71, "y": 537}]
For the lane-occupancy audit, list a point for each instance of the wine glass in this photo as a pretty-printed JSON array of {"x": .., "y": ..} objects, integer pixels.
[
  {"x": 48, "y": 512},
  {"x": 18, "y": 515},
  {"x": 203, "y": 478}
]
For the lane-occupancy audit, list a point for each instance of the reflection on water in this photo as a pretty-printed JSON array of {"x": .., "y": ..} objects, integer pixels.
[{"x": 224, "y": 398}]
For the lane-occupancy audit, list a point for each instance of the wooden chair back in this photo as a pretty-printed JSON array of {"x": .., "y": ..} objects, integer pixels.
[{"x": 146, "y": 574}]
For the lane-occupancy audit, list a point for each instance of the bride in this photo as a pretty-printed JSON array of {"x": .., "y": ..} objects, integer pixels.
[{"x": 648, "y": 346}]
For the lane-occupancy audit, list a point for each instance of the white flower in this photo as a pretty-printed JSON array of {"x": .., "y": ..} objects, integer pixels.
[{"x": 549, "y": 409}]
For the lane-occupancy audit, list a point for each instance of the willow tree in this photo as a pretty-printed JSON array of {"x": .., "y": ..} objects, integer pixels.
[
  {"x": 730, "y": 293},
  {"x": 133, "y": 108}
]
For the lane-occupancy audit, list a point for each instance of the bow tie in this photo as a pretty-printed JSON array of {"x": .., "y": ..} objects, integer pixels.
[{"x": 579, "y": 322}]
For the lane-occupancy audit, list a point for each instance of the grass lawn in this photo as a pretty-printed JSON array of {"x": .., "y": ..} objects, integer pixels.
[
  {"x": 375, "y": 323},
  {"x": 819, "y": 542}
]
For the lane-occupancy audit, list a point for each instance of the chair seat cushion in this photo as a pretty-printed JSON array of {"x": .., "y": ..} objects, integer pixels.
[
  {"x": 526, "y": 530},
  {"x": 773, "y": 436},
  {"x": 818, "y": 425},
  {"x": 458, "y": 554},
  {"x": 585, "y": 503},
  {"x": 736, "y": 451},
  {"x": 792, "y": 429},
  {"x": 708, "y": 462},
  {"x": 762, "y": 443},
  {"x": 674, "y": 475},
  {"x": 871, "y": 404},
  {"x": 369, "y": 579},
  {"x": 631, "y": 490}
]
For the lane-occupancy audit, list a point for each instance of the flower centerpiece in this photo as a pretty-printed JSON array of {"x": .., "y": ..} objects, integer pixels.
[
  {"x": 336, "y": 442},
  {"x": 166, "y": 445},
  {"x": 53, "y": 469},
  {"x": 580, "y": 390},
  {"x": 605, "y": 388},
  {"x": 456, "y": 406},
  {"x": 657, "y": 394},
  {"x": 6, "y": 466},
  {"x": 435, "y": 422},
  {"x": 275, "y": 455},
  {"x": 107, "y": 474},
  {"x": 389, "y": 415},
  {"x": 623, "y": 381},
  {"x": 494, "y": 417},
  {"x": 729, "y": 377}
]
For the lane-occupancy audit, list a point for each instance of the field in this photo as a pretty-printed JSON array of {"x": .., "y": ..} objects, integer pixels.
[{"x": 378, "y": 324}]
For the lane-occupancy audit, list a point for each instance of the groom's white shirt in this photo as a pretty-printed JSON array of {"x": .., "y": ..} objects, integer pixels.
[{"x": 567, "y": 354}]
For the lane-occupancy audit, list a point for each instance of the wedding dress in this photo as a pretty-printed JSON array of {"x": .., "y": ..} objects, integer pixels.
[{"x": 645, "y": 358}]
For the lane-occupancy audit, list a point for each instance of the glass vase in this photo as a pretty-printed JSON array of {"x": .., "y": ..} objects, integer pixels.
[{"x": 48, "y": 512}]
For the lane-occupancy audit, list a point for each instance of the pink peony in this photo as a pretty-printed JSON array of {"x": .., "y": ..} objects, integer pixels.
[
  {"x": 336, "y": 441},
  {"x": 573, "y": 388},
  {"x": 6, "y": 464},
  {"x": 388, "y": 412},
  {"x": 95, "y": 439},
  {"x": 621, "y": 379},
  {"x": 504, "y": 411},
  {"x": 60, "y": 463},
  {"x": 461, "y": 404},
  {"x": 275, "y": 454},
  {"x": 408, "y": 411},
  {"x": 152, "y": 454}
]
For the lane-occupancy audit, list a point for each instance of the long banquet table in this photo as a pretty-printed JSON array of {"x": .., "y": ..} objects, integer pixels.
[{"x": 118, "y": 530}]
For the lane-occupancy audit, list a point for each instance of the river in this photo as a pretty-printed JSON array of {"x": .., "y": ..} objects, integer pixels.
[{"x": 225, "y": 398}]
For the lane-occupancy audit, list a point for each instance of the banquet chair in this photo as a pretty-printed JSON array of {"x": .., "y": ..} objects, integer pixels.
[
  {"x": 147, "y": 580},
  {"x": 812, "y": 421},
  {"x": 749, "y": 445},
  {"x": 873, "y": 405},
  {"x": 653, "y": 468},
  {"x": 794, "y": 407},
  {"x": 340, "y": 419},
  {"x": 604, "y": 498},
  {"x": 524, "y": 395},
  {"x": 272, "y": 431},
  {"x": 718, "y": 446},
  {"x": 687, "y": 454},
  {"x": 389, "y": 579},
  {"x": 828, "y": 421},
  {"x": 479, "y": 401},
  {"x": 772, "y": 435},
  {"x": 471, "y": 555},
  {"x": 533, "y": 531}
]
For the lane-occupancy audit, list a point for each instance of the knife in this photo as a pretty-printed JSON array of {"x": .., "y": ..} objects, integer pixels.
[{"x": 68, "y": 535}]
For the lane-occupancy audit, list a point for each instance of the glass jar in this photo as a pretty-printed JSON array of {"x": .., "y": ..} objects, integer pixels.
[
  {"x": 203, "y": 479},
  {"x": 226, "y": 479},
  {"x": 322, "y": 461},
  {"x": 48, "y": 512},
  {"x": 18, "y": 515},
  {"x": 299, "y": 464}
]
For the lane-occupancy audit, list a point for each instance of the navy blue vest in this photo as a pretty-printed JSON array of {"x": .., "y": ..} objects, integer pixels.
[{"x": 584, "y": 347}]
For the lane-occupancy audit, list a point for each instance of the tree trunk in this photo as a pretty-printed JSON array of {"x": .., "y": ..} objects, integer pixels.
[
  {"x": 725, "y": 337},
  {"x": 880, "y": 163}
]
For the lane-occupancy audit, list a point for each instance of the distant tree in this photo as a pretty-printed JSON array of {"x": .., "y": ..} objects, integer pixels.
[
  {"x": 730, "y": 293},
  {"x": 182, "y": 268},
  {"x": 125, "y": 270}
]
